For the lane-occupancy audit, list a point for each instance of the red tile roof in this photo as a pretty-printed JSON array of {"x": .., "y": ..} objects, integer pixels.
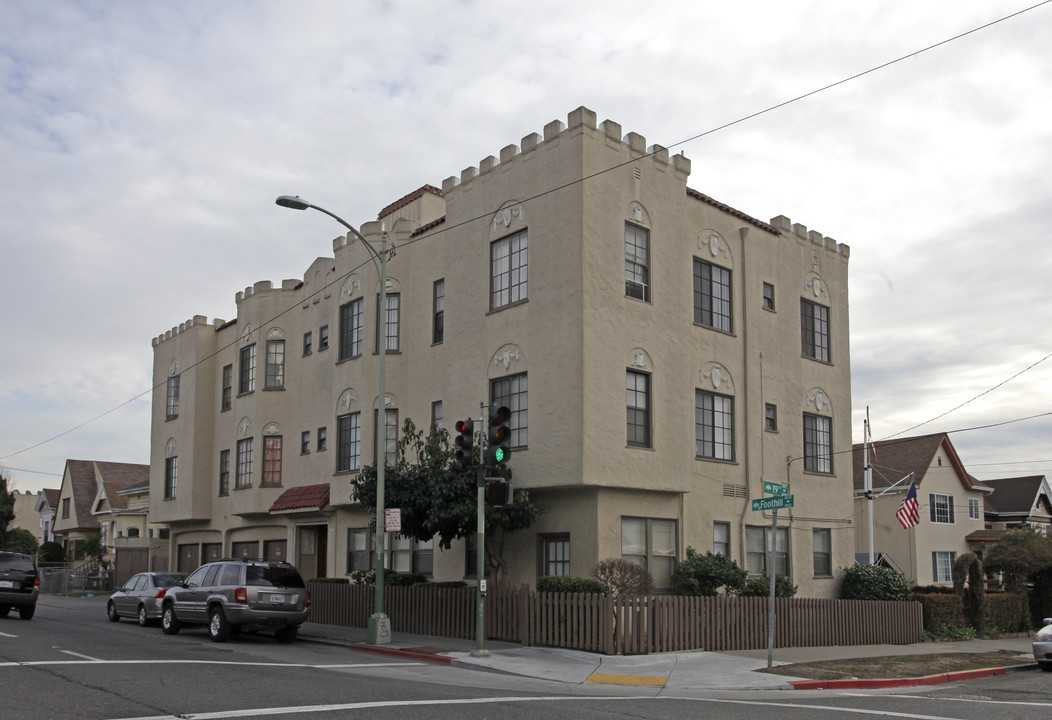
[
  {"x": 731, "y": 211},
  {"x": 305, "y": 497},
  {"x": 402, "y": 202}
]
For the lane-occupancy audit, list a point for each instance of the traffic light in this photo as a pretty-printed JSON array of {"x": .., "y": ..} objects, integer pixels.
[
  {"x": 465, "y": 442},
  {"x": 498, "y": 492},
  {"x": 498, "y": 450}
]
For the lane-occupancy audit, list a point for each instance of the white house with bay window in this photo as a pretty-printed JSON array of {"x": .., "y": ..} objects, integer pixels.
[{"x": 662, "y": 354}]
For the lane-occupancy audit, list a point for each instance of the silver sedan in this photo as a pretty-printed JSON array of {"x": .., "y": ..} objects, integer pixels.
[
  {"x": 140, "y": 597},
  {"x": 1043, "y": 646}
]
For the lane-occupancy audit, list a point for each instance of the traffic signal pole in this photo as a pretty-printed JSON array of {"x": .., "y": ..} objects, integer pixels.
[{"x": 480, "y": 547}]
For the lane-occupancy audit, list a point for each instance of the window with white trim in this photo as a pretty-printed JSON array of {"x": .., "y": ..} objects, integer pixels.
[
  {"x": 822, "y": 549},
  {"x": 650, "y": 542},
  {"x": 758, "y": 549},
  {"x": 940, "y": 509},
  {"x": 942, "y": 566},
  {"x": 975, "y": 509},
  {"x": 637, "y": 262},
  {"x": 171, "y": 408}
]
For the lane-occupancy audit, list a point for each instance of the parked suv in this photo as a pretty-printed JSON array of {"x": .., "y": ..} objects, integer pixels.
[
  {"x": 233, "y": 595},
  {"x": 19, "y": 584}
]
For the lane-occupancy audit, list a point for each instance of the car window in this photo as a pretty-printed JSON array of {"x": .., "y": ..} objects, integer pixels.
[
  {"x": 166, "y": 581},
  {"x": 197, "y": 576},
  {"x": 18, "y": 563},
  {"x": 139, "y": 584},
  {"x": 213, "y": 573},
  {"x": 274, "y": 576},
  {"x": 231, "y": 575}
]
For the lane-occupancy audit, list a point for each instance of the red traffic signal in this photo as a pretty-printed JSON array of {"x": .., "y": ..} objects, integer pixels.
[{"x": 465, "y": 442}]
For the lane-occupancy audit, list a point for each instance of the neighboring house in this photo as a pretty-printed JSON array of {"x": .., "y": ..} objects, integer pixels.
[
  {"x": 89, "y": 502},
  {"x": 26, "y": 517},
  {"x": 950, "y": 506},
  {"x": 662, "y": 354},
  {"x": 1018, "y": 502},
  {"x": 46, "y": 508}
]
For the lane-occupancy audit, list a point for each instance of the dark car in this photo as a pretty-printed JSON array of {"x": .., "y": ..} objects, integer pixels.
[
  {"x": 233, "y": 595},
  {"x": 19, "y": 584},
  {"x": 140, "y": 597}
]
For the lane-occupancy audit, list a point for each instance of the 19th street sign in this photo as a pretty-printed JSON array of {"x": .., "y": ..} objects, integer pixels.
[
  {"x": 773, "y": 503},
  {"x": 775, "y": 488}
]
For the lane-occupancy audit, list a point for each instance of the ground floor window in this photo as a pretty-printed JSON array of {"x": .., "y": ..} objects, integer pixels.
[
  {"x": 758, "y": 549},
  {"x": 942, "y": 566},
  {"x": 555, "y": 554},
  {"x": 651, "y": 542},
  {"x": 822, "y": 540}
]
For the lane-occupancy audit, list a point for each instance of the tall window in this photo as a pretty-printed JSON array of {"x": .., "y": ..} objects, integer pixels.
[
  {"x": 509, "y": 271},
  {"x": 940, "y": 509},
  {"x": 391, "y": 322},
  {"x": 391, "y": 435},
  {"x": 650, "y": 542},
  {"x": 305, "y": 442},
  {"x": 244, "y": 464},
  {"x": 637, "y": 386},
  {"x": 768, "y": 296},
  {"x": 712, "y": 296},
  {"x": 822, "y": 541},
  {"x": 555, "y": 554},
  {"x": 308, "y": 342},
  {"x": 758, "y": 548},
  {"x": 275, "y": 364},
  {"x": 818, "y": 444},
  {"x": 351, "y": 329},
  {"x": 171, "y": 408},
  {"x": 814, "y": 330},
  {"x": 713, "y": 426},
  {"x": 224, "y": 472},
  {"x": 323, "y": 337},
  {"x": 323, "y": 439},
  {"x": 637, "y": 262},
  {"x": 438, "y": 311},
  {"x": 436, "y": 414},
  {"x": 942, "y": 566},
  {"x": 171, "y": 476},
  {"x": 246, "y": 382},
  {"x": 65, "y": 508},
  {"x": 770, "y": 417},
  {"x": 721, "y": 539},
  {"x": 228, "y": 386},
  {"x": 406, "y": 555},
  {"x": 272, "y": 460},
  {"x": 512, "y": 392},
  {"x": 975, "y": 509},
  {"x": 359, "y": 557},
  {"x": 348, "y": 442}
]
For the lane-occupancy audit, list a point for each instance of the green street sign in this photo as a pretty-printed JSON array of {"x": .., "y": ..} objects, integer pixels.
[
  {"x": 773, "y": 503},
  {"x": 775, "y": 488}
]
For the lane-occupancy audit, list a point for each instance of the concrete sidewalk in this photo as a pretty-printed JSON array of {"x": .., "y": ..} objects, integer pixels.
[{"x": 685, "y": 671}]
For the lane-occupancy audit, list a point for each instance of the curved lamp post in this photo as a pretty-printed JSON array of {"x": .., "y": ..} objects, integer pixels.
[{"x": 379, "y": 631}]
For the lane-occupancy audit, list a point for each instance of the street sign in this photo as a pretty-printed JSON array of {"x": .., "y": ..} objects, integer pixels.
[
  {"x": 775, "y": 488},
  {"x": 773, "y": 503},
  {"x": 393, "y": 519}
]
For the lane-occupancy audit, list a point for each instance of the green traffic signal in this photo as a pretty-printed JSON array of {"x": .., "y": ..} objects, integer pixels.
[{"x": 498, "y": 449}]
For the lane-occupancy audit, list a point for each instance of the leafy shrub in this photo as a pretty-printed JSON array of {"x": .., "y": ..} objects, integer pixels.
[
  {"x": 942, "y": 610},
  {"x": 448, "y": 584},
  {"x": 621, "y": 577},
  {"x": 932, "y": 590},
  {"x": 705, "y": 574},
  {"x": 332, "y": 580},
  {"x": 968, "y": 568},
  {"x": 761, "y": 587},
  {"x": 1007, "y": 612},
  {"x": 950, "y": 632},
  {"x": 51, "y": 552},
  {"x": 568, "y": 584},
  {"x": 874, "y": 582},
  {"x": 404, "y": 579}
]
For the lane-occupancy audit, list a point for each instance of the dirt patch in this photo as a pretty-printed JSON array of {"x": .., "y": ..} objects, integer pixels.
[{"x": 901, "y": 666}]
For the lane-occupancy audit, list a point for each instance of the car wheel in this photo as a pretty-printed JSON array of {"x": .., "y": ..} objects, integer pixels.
[
  {"x": 27, "y": 612},
  {"x": 218, "y": 627},
  {"x": 4, "y": 611},
  {"x": 111, "y": 612},
  {"x": 287, "y": 634},
  {"x": 143, "y": 620},
  {"x": 169, "y": 622},
  {"x": 1046, "y": 666}
]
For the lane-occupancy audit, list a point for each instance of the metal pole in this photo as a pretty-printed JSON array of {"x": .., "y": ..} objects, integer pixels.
[
  {"x": 868, "y": 477},
  {"x": 770, "y": 605},
  {"x": 379, "y": 630},
  {"x": 480, "y": 545}
]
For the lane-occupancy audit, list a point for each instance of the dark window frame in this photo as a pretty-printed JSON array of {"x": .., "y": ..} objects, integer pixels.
[{"x": 713, "y": 296}]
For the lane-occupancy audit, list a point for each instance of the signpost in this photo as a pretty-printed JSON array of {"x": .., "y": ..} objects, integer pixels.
[{"x": 781, "y": 500}]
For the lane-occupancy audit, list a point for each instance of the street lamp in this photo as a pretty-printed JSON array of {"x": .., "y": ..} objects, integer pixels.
[{"x": 379, "y": 631}]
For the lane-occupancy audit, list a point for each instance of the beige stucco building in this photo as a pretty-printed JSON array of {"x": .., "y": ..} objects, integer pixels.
[{"x": 663, "y": 354}]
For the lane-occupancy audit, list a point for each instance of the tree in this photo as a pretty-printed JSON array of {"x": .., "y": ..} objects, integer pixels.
[
  {"x": 92, "y": 546},
  {"x": 1017, "y": 555},
  {"x": 7, "y": 508},
  {"x": 621, "y": 577},
  {"x": 968, "y": 569},
  {"x": 439, "y": 499},
  {"x": 705, "y": 574},
  {"x": 20, "y": 540},
  {"x": 761, "y": 587},
  {"x": 51, "y": 552}
]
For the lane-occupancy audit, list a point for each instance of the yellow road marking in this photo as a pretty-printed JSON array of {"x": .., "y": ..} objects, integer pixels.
[{"x": 610, "y": 679}]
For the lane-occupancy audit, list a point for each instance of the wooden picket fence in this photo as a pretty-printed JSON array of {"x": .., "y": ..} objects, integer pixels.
[{"x": 624, "y": 625}]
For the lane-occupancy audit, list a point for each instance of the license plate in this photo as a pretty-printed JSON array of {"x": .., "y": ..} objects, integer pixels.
[
  {"x": 277, "y": 598},
  {"x": 6, "y": 584}
]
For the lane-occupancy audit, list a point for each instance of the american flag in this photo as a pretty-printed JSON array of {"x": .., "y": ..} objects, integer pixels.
[{"x": 908, "y": 514}]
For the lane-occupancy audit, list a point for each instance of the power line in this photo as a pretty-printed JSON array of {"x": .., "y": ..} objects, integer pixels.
[{"x": 544, "y": 193}]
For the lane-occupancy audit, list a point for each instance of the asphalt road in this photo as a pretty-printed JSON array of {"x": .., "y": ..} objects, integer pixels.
[{"x": 71, "y": 662}]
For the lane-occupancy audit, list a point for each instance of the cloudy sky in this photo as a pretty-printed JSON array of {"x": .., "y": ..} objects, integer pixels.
[{"x": 142, "y": 145}]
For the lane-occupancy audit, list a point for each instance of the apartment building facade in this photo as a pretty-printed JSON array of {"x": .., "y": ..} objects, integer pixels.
[{"x": 663, "y": 354}]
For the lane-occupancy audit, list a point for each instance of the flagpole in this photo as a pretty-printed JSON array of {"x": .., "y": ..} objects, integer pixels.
[{"x": 868, "y": 474}]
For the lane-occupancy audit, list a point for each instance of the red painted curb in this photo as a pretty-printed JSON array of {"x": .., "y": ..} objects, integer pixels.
[
  {"x": 856, "y": 684},
  {"x": 399, "y": 652}
]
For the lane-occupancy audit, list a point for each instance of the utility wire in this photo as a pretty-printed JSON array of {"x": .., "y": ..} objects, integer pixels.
[{"x": 690, "y": 139}]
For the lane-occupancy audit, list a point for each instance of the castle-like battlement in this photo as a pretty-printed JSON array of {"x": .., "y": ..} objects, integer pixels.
[
  {"x": 579, "y": 121},
  {"x": 816, "y": 238},
  {"x": 197, "y": 321}
]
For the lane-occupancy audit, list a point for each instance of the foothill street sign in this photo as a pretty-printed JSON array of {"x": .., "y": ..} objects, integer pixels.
[{"x": 773, "y": 503}]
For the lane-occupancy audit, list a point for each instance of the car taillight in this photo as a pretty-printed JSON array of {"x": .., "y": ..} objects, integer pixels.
[
  {"x": 241, "y": 596},
  {"x": 160, "y": 593},
  {"x": 36, "y": 583},
  {"x": 307, "y": 604}
]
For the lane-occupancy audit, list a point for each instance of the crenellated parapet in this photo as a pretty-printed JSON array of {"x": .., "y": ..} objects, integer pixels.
[
  {"x": 197, "y": 322},
  {"x": 815, "y": 238},
  {"x": 580, "y": 121}
]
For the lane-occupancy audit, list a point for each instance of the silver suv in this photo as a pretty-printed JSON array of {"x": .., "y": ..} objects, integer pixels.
[
  {"x": 233, "y": 595},
  {"x": 19, "y": 584}
]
